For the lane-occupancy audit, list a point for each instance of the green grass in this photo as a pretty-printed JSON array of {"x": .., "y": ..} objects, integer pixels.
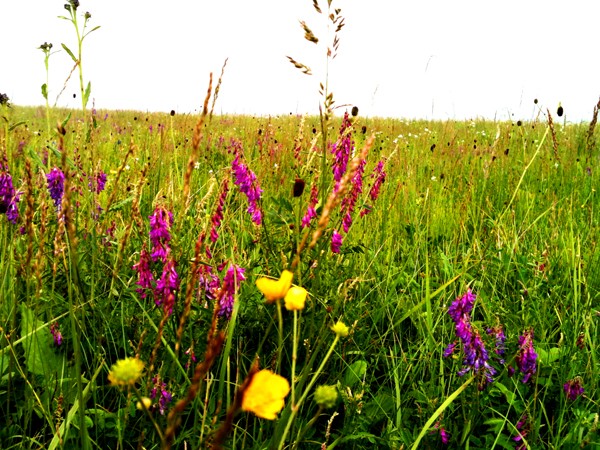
[{"x": 484, "y": 205}]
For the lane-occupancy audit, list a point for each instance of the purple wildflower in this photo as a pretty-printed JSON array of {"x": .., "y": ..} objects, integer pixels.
[
  {"x": 450, "y": 349},
  {"x": 97, "y": 182},
  {"x": 56, "y": 185},
  {"x": 499, "y": 349},
  {"x": 8, "y": 197},
  {"x": 522, "y": 431},
  {"x": 311, "y": 212},
  {"x": 218, "y": 215},
  {"x": 245, "y": 179},
  {"x": 160, "y": 224},
  {"x": 476, "y": 356},
  {"x": 231, "y": 284},
  {"x": 336, "y": 242},
  {"x": 164, "y": 397},
  {"x": 166, "y": 287},
  {"x": 56, "y": 334},
  {"x": 573, "y": 388},
  {"x": 145, "y": 277},
  {"x": 526, "y": 356},
  {"x": 444, "y": 435},
  {"x": 343, "y": 150},
  {"x": 209, "y": 282},
  {"x": 349, "y": 201},
  {"x": 379, "y": 175}
]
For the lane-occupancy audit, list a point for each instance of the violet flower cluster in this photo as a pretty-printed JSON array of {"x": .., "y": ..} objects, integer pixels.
[
  {"x": 56, "y": 186},
  {"x": 218, "y": 215},
  {"x": 343, "y": 150},
  {"x": 336, "y": 242},
  {"x": 160, "y": 391},
  {"x": 379, "y": 175},
  {"x": 97, "y": 183},
  {"x": 526, "y": 356},
  {"x": 160, "y": 225},
  {"x": 231, "y": 283},
  {"x": 311, "y": 211},
  {"x": 523, "y": 431},
  {"x": 574, "y": 388},
  {"x": 56, "y": 334},
  {"x": 8, "y": 197},
  {"x": 349, "y": 201},
  {"x": 245, "y": 179},
  {"x": 145, "y": 277},
  {"x": 476, "y": 356},
  {"x": 166, "y": 286}
]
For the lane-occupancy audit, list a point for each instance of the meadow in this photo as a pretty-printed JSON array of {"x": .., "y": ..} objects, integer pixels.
[{"x": 200, "y": 281}]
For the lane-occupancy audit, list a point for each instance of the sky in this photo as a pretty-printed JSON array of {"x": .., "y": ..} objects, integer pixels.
[{"x": 420, "y": 59}]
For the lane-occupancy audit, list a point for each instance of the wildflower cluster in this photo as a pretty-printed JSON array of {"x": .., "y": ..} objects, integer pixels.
[
  {"x": 56, "y": 186},
  {"x": 378, "y": 175},
  {"x": 8, "y": 197},
  {"x": 573, "y": 388},
  {"x": 218, "y": 215},
  {"x": 476, "y": 356},
  {"x": 166, "y": 286},
  {"x": 311, "y": 212},
  {"x": 160, "y": 392},
  {"x": 97, "y": 182},
  {"x": 160, "y": 225},
  {"x": 526, "y": 357},
  {"x": 342, "y": 150},
  {"x": 231, "y": 283},
  {"x": 245, "y": 179}
]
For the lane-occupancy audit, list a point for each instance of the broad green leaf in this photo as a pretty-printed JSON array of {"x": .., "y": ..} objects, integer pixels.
[
  {"x": 38, "y": 344},
  {"x": 45, "y": 91},
  {"x": 355, "y": 372}
]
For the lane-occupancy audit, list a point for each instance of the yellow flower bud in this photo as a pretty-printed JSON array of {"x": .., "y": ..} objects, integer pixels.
[
  {"x": 295, "y": 298},
  {"x": 275, "y": 289},
  {"x": 143, "y": 402},
  {"x": 340, "y": 329}
]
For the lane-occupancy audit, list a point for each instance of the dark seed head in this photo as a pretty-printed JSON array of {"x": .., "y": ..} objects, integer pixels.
[
  {"x": 354, "y": 111},
  {"x": 364, "y": 129},
  {"x": 560, "y": 111},
  {"x": 298, "y": 187},
  {"x": 519, "y": 123},
  {"x": 172, "y": 112},
  {"x": 535, "y": 101}
]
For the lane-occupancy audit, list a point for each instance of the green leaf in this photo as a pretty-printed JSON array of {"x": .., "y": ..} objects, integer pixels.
[
  {"x": 86, "y": 94},
  {"x": 45, "y": 91},
  {"x": 69, "y": 52},
  {"x": 355, "y": 373},
  {"x": 15, "y": 125},
  {"x": 64, "y": 122},
  {"x": 38, "y": 344}
]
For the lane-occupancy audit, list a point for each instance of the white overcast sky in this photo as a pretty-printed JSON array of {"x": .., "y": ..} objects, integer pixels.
[{"x": 420, "y": 59}]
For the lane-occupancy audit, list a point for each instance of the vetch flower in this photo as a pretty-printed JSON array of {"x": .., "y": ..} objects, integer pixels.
[
  {"x": 265, "y": 394},
  {"x": 275, "y": 289},
  {"x": 340, "y": 329},
  {"x": 160, "y": 225},
  {"x": 349, "y": 201},
  {"x": 56, "y": 185},
  {"x": 8, "y": 197},
  {"x": 160, "y": 391},
  {"x": 311, "y": 212},
  {"x": 573, "y": 388},
  {"x": 231, "y": 283},
  {"x": 145, "y": 277},
  {"x": 246, "y": 180},
  {"x": 218, "y": 215},
  {"x": 56, "y": 334},
  {"x": 126, "y": 372},
  {"x": 526, "y": 356},
  {"x": 97, "y": 182},
  {"x": 343, "y": 150},
  {"x": 295, "y": 298},
  {"x": 336, "y": 242},
  {"x": 164, "y": 294},
  {"x": 379, "y": 175}
]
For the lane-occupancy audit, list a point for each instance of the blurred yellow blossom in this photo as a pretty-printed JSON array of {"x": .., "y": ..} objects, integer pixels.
[
  {"x": 264, "y": 396},
  {"x": 340, "y": 329},
  {"x": 275, "y": 289},
  {"x": 295, "y": 298},
  {"x": 126, "y": 372},
  {"x": 143, "y": 403}
]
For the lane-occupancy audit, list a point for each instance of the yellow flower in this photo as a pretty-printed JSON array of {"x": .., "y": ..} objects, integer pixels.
[
  {"x": 264, "y": 396},
  {"x": 340, "y": 329},
  {"x": 143, "y": 403},
  {"x": 126, "y": 372},
  {"x": 275, "y": 289},
  {"x": 295, "y": 298}
]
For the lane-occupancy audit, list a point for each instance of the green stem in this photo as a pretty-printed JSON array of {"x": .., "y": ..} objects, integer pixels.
[{"x": 296, "y": 407}]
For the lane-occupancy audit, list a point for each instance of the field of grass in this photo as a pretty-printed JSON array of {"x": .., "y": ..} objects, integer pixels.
[
  {"x": 209, "y": 281},
  {"x": 488, "y": 207}
]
